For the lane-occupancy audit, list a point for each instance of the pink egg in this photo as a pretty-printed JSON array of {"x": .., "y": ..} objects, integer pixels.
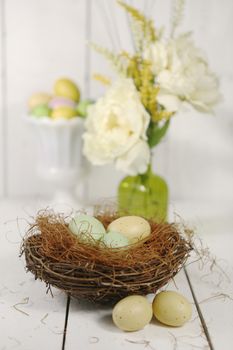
[{"x": 59, "y": 101}]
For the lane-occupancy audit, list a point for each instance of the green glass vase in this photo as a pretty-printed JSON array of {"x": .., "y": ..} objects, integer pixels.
[{"x": 144, "y": 195}]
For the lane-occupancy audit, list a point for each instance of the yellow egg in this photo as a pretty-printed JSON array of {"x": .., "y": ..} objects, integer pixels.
[
  {"x": 67, "y": 88},
  {"x": 171, "y": 308},
  {"x": 134, "y": 228},
  {"x": 39, "y": 99},
  {"x": 132, "y": 313},
  {"x": 63, "y": 112}
]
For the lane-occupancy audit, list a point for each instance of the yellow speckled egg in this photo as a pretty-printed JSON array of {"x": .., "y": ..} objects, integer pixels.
[
  {"x": 63, "y": 112},
  {"x": 39, "y": 99},
  {"x": 172, "y": 308},
  {"x": 67, "y": 88},
  {"x": 133, "y": 227},
  {"x": 132, "y": 313}
]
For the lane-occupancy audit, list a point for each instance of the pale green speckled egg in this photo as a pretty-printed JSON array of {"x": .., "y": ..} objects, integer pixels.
[
  {"x": 87, "y": 227},
  {"x": 115, "y": 240}
]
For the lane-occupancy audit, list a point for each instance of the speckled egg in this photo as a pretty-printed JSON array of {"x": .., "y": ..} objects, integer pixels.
[
  {"x": 132, "y": 313},
  {"x": 115, "y": 240},
  {"x": 172, "y": 308},
  {"x": 87, "y": 227},
  {"x": 67, "y": 88},
  {"x": 39, "y": 99},
  {"x": 135, "y": 228},
  {"x": 64, "y": 113}
]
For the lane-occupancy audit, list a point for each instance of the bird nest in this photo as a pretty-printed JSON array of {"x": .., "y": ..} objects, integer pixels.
[{"x": 90, "y": 270}]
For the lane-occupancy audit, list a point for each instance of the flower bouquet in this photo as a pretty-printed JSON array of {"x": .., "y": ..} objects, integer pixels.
[{"x": 153, "y": 82}]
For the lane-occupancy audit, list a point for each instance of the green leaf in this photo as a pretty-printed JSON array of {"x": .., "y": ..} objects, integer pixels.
[{"x": 156, "y": 133}]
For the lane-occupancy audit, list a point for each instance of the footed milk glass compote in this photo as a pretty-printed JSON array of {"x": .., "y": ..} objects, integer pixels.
[{"x": 59, "y": 156}]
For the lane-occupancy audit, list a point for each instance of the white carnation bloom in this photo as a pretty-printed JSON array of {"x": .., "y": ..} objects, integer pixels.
[
  {"x": 186, "y": 76},
  {"x": 115, "y": 125}
]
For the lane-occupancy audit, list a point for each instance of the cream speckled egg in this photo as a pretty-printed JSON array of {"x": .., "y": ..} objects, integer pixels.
[
  {"x": 132, "y": 313},
  {"x": 134, "y": 228},
  {"x": 172, "y": 308}
]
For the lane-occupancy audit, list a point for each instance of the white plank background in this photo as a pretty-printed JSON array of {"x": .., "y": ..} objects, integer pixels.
[
  {"x": 47, "y": 39},
  {"x": 1, "y": 102},
  {"x": 28, "y": 316}
]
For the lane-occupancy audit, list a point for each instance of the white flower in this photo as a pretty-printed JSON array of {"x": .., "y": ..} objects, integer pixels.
[
  {"x": 185, "y": 76},
  {"x": 157, "y": 54},
  {"x": 116, "y": 128},
  {"x": 136, "y": 160}
]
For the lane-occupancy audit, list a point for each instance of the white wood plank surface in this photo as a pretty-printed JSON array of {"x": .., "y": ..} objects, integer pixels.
[
  {"x": 45, "y": 41},
  {"x": 212, "y": 278},
  {"x": 29, "y": 319},
  {"x": 40, "y": 321},
  {"x": 92, "y": 328},
  {"x": 1, "y": 98},
  {"x": 212, "y": 282}
]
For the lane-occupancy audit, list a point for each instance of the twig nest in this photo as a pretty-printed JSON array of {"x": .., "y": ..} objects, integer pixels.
[{"x": 103, "y": 269}]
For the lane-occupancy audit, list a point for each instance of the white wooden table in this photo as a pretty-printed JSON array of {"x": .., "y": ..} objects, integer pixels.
[{"x": 30, "y": 319}]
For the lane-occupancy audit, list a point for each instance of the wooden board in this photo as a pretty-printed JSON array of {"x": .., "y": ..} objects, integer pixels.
[
  {"x": 92, "y": 328},
  {"x": 2, "y": 108},
  {"x": 29, "y": 318}
]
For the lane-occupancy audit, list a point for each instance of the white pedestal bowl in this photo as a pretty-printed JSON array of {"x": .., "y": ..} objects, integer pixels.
[{"x": 60, "y": 159}]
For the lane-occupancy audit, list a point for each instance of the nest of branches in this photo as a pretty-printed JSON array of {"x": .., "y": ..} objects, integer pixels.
[{"x": 90, "y": 270}]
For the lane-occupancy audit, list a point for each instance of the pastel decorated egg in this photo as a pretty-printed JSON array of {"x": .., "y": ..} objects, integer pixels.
[
  {"x": 67, "y": 88},
  {"x": 115, "y": 240},
  {"x": 171, "y": 308},
  {"x": 63, "y": 112},
  {"x": 87, "y": 227},
  {"x": 41, "y": 111},
  {"x": 134, "y": 228},
  {"x": 132, "y": 313},
  {"x": 60, "y": 101},
  {"x": 83, "y": 106},
  {"x": 38, "y": 99}
]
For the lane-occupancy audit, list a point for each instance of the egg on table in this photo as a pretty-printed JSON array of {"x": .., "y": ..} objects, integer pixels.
[
  {"x": 115, "y": 240},
  {"x": 87, "y": 227},
  {"x": 38, "y": 99},
  {"x": 67, "y": 88},
  {"x": 172, "y": 308},
  {"x": 132, "y": 313},
  {"x": 135, "y": 228}
]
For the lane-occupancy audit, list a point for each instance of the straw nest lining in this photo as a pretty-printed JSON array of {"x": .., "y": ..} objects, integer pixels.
[{"x": 95, "y": 272}]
